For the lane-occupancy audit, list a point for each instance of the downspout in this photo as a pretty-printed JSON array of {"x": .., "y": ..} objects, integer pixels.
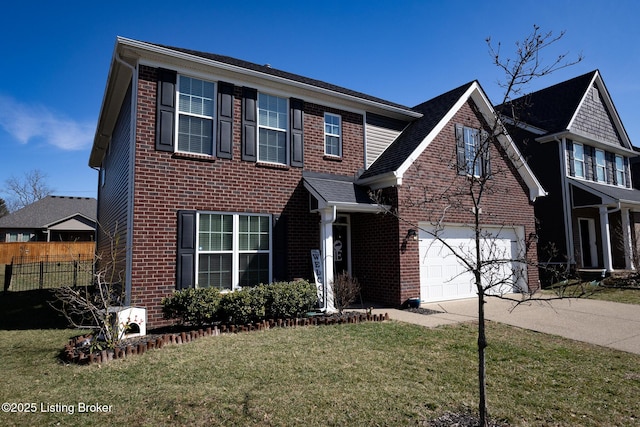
[{"x": 132, "y": 146}]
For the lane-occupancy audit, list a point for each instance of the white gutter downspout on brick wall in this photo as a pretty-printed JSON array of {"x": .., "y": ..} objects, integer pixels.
[{"x": 132, "y": 150}]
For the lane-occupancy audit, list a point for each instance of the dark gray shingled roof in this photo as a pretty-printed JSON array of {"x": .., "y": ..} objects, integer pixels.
[
  {"x": 552, "y": 108},
  {"x": 50, "y": 210},
  {"x": 621, "y": 194},
  {"x": 283, "y": 74},
  {"x": 433, "y": 112},
  {"x": 337, "y": 189}
]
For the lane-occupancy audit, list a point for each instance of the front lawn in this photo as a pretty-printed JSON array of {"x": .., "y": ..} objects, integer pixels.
[{"x": 385, "y": 374}]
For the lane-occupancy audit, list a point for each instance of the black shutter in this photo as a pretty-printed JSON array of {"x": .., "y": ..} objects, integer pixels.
[
  {"x": 280, "y": 248},
  {"x": 186, "y": 253},
  {"x": 460, "y": 158},
  {"x": 572, "y": 166},
  {"x": 249, "y": 125},
  {"x": 297, "y": 132},
  {"x": 589, "y": 163},
  {"x": 165, "y": 109},
  {"x": 610, "y": 161},
  {"x": 224, "y": 145},
  {"x": 627, "y": 178}
]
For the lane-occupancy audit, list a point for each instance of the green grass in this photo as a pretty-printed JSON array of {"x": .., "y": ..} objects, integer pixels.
[
  {"x": 372, "y": 374},
  {"x": 604, "y": 293}
]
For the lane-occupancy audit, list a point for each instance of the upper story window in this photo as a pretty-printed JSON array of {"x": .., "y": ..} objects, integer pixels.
[
  {"x": 195, "y": 115},
  {"x": 601, "y": 166},
  {"x": 233, "y": 250},
  {"x": 619, "y": 164},
  {"x": 472, "y": 151},
  {"x": 332, "y": 135},
  {"x": 272, "y": 129},
  {"x": 578, "y": 159}
]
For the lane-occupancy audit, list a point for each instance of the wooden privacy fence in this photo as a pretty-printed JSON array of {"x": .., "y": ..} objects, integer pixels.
[
  {"x": 40, "y": 265},
  {"x": 13, "y": 251}
]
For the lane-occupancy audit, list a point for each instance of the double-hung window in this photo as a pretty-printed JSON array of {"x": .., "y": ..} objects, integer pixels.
[
  {"x": 601, "y": 168},
  {"x": 619, "y": 163},
  {"x": 234, "y": 250},
  {"x": 578, "y": 160},
  {"x": 272, "y": 129},
  {"x": 332, "y": 135},
  {"x": 195, "y": 115}
]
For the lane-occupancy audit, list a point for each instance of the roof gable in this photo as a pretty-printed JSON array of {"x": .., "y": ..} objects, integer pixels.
[
  {"x": 51, "y": 210},
  {"x": 581, "y": 106},
  {"x": 410, "y": 139},
  {"x": 389, "y": 168}
]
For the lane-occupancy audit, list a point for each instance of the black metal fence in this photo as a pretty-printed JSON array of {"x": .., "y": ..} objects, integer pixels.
[{"x": 47, "y": 272}]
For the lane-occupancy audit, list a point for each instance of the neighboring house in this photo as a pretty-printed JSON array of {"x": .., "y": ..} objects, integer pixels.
[
  {"x": 52, "y": 219},
  {"x": 216, "y": 172},
  {"x": 576, "y": 144}
]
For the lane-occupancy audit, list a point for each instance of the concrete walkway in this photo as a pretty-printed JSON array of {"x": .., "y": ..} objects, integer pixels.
[{"x": 603, "y": 323}]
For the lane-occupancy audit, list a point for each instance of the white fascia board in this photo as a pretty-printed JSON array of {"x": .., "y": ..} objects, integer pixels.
[
  {"x": 389, "y": 179},
  {"x": 589, "y": 140},
  {"x": 141, "y": 47}
]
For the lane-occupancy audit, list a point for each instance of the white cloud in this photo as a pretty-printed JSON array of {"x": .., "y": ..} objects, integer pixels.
[{"x": 26, "y": 122}]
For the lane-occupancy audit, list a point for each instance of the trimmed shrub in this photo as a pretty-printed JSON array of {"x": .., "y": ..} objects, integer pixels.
[
  {"x": 279, "y": 300},
  {"x": 290, "y": 299},
  {"x": 246, "y": 305},
  {"x": 193, "y": 306}
]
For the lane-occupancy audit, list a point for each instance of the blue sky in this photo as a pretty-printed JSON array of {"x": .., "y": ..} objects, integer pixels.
[{"x": 55, "y": 57}]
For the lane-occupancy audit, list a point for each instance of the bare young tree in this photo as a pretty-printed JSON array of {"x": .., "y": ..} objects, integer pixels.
[
  {"x": 29, "y": 188},
  {"x": 495, "y": 269}
]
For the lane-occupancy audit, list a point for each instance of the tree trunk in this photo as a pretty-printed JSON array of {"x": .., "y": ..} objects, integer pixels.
[{"x": 482, "y": 344}]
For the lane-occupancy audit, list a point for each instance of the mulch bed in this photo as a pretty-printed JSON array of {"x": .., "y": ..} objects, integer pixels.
[{"x": 78, "y": 350}]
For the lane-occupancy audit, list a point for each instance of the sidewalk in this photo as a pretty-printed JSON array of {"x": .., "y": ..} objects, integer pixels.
[{"x": 603, "y": 323}]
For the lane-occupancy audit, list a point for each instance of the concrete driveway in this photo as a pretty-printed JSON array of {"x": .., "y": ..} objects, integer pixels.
[{"x": 604, "y": 323}]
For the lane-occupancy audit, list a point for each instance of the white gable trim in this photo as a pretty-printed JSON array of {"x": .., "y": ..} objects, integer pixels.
[{"x": 476, "y": 93}]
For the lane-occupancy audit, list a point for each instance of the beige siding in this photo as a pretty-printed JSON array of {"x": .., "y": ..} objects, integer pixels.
[{"x": 380, "y": 132}]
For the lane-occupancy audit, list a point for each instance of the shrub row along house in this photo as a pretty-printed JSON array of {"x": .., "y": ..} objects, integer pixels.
[{"x": 216, "y": 172}]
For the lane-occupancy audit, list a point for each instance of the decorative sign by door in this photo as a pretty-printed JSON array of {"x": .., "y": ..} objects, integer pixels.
[{"x": 318, "y": 273}]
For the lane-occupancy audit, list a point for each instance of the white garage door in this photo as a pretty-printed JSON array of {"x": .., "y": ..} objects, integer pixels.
[{"x": 443, "y": 276}]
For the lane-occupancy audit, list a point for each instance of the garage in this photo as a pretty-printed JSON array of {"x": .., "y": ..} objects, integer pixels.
[{"x": 443, "y": 276}]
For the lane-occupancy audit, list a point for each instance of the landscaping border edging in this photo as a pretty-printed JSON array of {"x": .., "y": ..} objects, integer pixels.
[{"x": 77, "y": 351}]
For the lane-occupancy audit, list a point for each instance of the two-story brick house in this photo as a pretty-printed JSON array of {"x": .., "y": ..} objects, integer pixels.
[
  {"x": 217, "y": 172},
  {"x": 575, "y": 142}
]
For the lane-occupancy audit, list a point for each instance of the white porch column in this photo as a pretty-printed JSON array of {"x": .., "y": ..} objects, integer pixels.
[
  {"x": 626, "y": 234},
  {"x": 606, "y": 238},
  {"x": 328, "y": 216}
]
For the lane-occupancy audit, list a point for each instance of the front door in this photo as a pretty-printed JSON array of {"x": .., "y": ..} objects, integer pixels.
[
  {"x": 587, "y": 228},
  {"x": 341, "y": 245}
]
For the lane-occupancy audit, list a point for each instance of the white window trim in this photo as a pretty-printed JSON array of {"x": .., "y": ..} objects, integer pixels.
[
  {"x": 602, "y": 167},
  {"x": 619, "y": 171},
  {"x": 285, "y": 130},
  {"x": 212, "y": 117},
  {"x": 339, "y": 134},
  {"x": 576, "y": 161},
  {"x": 235, "y": 249}
]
